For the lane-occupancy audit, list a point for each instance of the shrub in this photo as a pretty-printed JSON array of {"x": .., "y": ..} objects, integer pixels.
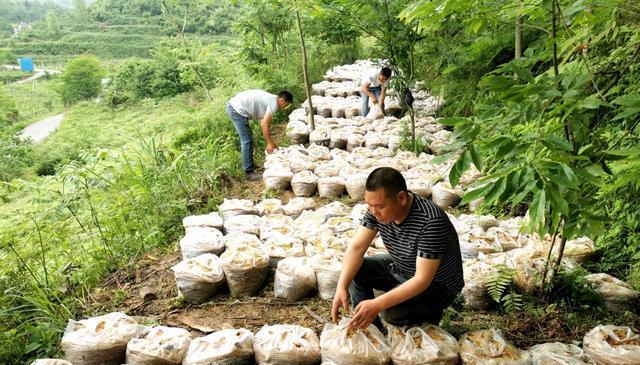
[
  {"x": 8, "y": 111},
  {"x": 81, "y": 79}
]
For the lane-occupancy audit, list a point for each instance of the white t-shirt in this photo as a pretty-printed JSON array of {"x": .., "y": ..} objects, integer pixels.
[
  {"x": 372, "y": 79},
  {"x": 254, "y": 104}
]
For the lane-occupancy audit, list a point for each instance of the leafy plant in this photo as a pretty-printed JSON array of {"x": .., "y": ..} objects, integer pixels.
[{"x": 81, "y": 79}]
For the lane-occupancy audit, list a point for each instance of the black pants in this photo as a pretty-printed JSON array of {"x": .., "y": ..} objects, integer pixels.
[{"x": 377, "y": 272}]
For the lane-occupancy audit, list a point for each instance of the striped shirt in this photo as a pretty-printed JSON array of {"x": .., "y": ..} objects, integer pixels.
[{"x": 427, "y": 232}]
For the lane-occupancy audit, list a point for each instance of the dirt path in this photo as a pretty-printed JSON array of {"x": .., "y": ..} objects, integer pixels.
[
  {"x": 39, "y": 72},
  {"x": 40, "y": 130}
]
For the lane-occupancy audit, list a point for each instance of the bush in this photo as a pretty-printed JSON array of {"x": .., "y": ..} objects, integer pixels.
[
  {"x": 81, "y": 79},
  {"x": 7, "y": 56},
  {"x": 8, "y": 111}
]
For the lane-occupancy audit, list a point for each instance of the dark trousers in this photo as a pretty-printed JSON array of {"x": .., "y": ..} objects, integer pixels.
[{"x": 377, "y": 272}]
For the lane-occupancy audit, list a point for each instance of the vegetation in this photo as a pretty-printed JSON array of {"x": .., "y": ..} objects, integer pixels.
[
  {"x": 81, "y": 79},
  {"x": 550, "y": 119}
]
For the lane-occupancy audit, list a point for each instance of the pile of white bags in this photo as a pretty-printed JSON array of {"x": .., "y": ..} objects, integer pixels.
[
  {"x": 490, "y": 347},
  {"x": 231, "y": 346},
  {"x": 294, "y": 278},
  {"x": 243, "y": 223},
  {"x": 296, "y": 206},
  {"x": 231, "y": 207},
  {"x": 200, "y": 240},
  {"x": 240, "y": 239},
  {"x": 277, "y": 177},
  {"x": 211, "y": 220},
  {"x": 199, "y": 278},
  {"x": 246, "y": 269},
  {"x": 279, "y": 247},
  {"x": 612, "y": 345},
  {"x": 159, "y": 346},
  {"x": 616, "y": 294},
  {"x": 346, "y": 346},
  {"x": 286, "y": 344},
  {"x": 423, "y": 345},
  {"x": 99, "y": 340},
  {"x": 327, "y": 271},
  {"x": 559, "y": 353}
]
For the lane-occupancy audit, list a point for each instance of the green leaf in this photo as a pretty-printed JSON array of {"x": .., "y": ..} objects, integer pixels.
[
  {"x": 568, "y": 171},
  {"x": 554, "y": 143},
  {"x": 459, "y": 168},
  {"x": 592, "y": 102},
  {"x": 453, "y": 121},
  {"x": 496, "y": 190},
  {"x": 558, "y": 202},
  {"x": 537, "y": 207},
  {"x": 632, "y": 100},
  {"x": 476, "y": 193},
  {"x": 476, "y": 157}
]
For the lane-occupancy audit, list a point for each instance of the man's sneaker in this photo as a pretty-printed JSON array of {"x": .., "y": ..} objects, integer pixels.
[{"x": 252, "y": 176}]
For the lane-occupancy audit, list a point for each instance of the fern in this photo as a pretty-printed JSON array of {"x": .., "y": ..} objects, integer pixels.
[{"x": 498, "y": 284}]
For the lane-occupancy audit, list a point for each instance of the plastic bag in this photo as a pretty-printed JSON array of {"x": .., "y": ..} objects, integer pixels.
[
  {"x": 294, "y": 278},
  {"x": 243, "y": 223},
  {"x": 354, "y": 141},
  {"x": 240, "y": 239},
  {"x": 199, "y": 278},
  {"x": 580, "y": 249},
  {"x": 309, "y": 224},
  {"x": 612, "y": 345},
  {"x": 304, "y": 183},
  {"x": 346, "y": 346},
  {"x": 423, "y": 345},
  {"x": 201, "y": 240},
  {"x": 320, "y": 136},
  {"x": 159, "y": 346},
  {"x": 340, "y": 224},
  {"x": 355, "y": 186},
  {"x": 445, "y": 196},
  {"x": 338, "y": 139},
  {"x": 270, "y": 206},
  {"x": 616, "y": 294},
  {"x": 375, "y": 112},
  {"x": 231, "y": 207},
  {"x": 230, "y": 346},
  {"x": 334, "y": 209},
  {"x": 327, "y": 271},
  {"x": 325, "y": 243},
  {"x": 275, "y": 225},
  {"x": 358, "y": 212},
  {"x": 296, "y": 206},
  {"x": 279, "y": 247},
  {"x": 420, "y": 187},
  {"x": 557, "y": 353},
  {"x": 329, "y": 168},
  {"x": 99, "y": 340},
  {"x": 211, "y": 220},
  {"x": 318, "y": 153},
  {"x": 246, "y": 269},
  {"x": 277, "y": 178},
  {"x": 51, "y": 362},
  {"x": 374, "y": 140},
  {"x": 489, "y": 347},
  {"x": 286, "y": 344}
]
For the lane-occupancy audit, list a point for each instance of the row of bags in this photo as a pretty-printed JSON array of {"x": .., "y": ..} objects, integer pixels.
[
  {"x": 245, "y": 270},
  {"x": 115, "y": 338}
]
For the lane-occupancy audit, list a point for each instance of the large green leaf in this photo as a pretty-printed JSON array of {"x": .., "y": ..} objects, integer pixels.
[
  {"x": 537, "y": 207},
  {"x": 463, "y": 163},
  {"x": 476, "y": 157}
]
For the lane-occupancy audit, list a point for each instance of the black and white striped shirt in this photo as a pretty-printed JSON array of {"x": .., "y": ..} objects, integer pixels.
[{"x": 427, "y": 232}]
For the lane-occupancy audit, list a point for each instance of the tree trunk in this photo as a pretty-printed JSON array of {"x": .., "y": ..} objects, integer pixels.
[{"x": 307, "y": 86}]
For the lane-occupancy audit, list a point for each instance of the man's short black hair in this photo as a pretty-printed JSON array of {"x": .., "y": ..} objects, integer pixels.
[
  {"x": 386, "y": 72},
  {"x": 390, "y": 179},
  {"x": 286, "y": 96}
]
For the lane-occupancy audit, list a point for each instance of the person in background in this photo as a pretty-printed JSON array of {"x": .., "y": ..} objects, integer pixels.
[
  {"x": 374, "y": 86},
  {"x": 421, "y": 275},
  {"x": 255, "y": 105}
]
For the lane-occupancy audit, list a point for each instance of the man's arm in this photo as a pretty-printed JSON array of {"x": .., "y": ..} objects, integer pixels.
[
  {"x": 365, "y": 89},
  {"x": 383, "y": 94},
  {"x": 264, "y": 125},
  {"x": 367, "y": 310},
  {"x": 350, "y": 265}
]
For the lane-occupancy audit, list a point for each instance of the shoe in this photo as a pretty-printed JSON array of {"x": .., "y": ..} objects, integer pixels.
[{"x": 252, "y": 176}]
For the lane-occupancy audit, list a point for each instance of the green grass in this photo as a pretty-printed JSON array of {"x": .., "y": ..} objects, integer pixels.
[{"x": 35, "y": 100}]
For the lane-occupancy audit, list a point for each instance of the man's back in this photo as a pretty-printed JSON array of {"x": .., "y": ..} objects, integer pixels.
[{"x": 254, "y": 104}]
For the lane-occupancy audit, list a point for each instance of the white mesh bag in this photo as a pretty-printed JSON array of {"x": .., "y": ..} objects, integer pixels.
[
  {"x": 50, "y": 362},
  {"x": 286, "y": 344},
  {"x": 277, "y": 177},
  {"x": 355, "y": 185},
  {"x": 230, "y": 346},
  {"x": 201, "y": 240},
  {"x": 294, "y": 278},
  {"x": 211, "y": 220},
  {"x": 240, "y": 239},
  {"x": 617, "y": 295},
  {"x": 231, "y": 207},
  {"x": 489, "y": 347},
  {"x": 270, "y": 206},
  {"x": 159, "y": 346},
  {"x": 327, "y": 271},
  {"x": 199, "y": 278},
  {"x": 296, "y": 206},
  {"x": 304, "y": 183},
  {"x": 246, "y": 269},
  {"x": 422, "y": 345},
  {"x": 99, "y": 340},
  {"x": 557, "y": 353},
  {"x": 331, "y": 187},
  {"x": 346, "y": 346},
  {"x": 243, "y": 223},
  {"x": 612, "y": 345}
]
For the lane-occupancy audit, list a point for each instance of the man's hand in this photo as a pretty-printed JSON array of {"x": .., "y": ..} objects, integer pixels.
[
  {"x": 271, "y": 147},
  {"x": 341, "y": 299},
  {"x": 365, "y": 313}
]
